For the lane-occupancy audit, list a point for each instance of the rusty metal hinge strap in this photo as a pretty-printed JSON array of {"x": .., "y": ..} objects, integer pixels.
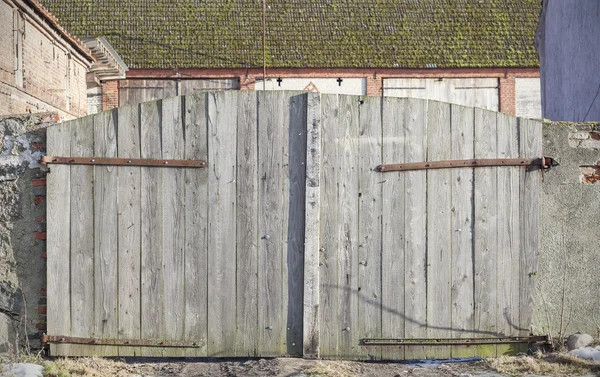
[
  {"x": 543, "y": 163},
  {"x": 123, "y": 162},
  {"x": 60, "y": 339},
  {"x": 453, "y": 341}
]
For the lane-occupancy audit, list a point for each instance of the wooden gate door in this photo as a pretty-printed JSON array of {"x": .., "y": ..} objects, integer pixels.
[
  {"x": 419, "y": 257},
  {"x": 179, "y": 261}
]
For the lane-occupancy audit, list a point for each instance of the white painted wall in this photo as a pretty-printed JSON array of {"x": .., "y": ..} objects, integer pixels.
[
  {"x": 474, "y": 92},
  {"x": 357, "y": 86},
  {"x": 528, "y": 97}
]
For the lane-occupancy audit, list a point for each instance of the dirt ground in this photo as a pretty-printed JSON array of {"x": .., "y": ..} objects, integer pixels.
[{"x": 550, "y": 365}]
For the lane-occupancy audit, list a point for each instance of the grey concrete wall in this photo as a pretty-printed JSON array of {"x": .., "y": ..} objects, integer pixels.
[
  {"x": 22, "y": 268},
  {"x": 569, "y": 49},
  {"x": 570, "y": 232}
]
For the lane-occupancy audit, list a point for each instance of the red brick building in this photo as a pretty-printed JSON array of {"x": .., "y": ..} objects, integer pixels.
[
  {"x": 464, "y": 51},
  {"x": 42, "y": 67}
]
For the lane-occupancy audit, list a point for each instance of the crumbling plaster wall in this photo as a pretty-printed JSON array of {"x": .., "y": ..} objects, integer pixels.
[
  {"x": 22, "y": 229},
  {"x": 570, "y": 225}
]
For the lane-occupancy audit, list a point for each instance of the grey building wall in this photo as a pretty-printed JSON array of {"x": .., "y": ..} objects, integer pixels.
[
  {"x": 570, "y": 252},
  {"x": 568, "y": 42}
]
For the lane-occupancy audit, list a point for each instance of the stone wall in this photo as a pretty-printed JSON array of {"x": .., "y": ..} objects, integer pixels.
[
  {"x": 570, "y": 252},
  {"x": 22, "y": 229}
]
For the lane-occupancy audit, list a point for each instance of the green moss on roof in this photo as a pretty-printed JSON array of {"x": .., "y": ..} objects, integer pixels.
[{"x": 310, "y": 33}]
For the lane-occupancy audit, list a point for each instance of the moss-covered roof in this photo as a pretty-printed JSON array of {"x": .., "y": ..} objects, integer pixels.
[{"x": 310, "y": 33}]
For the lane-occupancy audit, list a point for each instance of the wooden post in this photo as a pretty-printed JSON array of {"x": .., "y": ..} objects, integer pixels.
[{"x": 311, "y": 240}]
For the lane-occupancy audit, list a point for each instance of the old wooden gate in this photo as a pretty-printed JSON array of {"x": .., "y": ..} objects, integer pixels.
[{"x": 288, "y": 240}]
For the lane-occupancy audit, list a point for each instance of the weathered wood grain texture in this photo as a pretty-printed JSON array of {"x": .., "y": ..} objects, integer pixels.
[
  {"x": 222, "y": 151},
  {"x": 415, "y": 225},
  {"x": 508, "y": 248},
  {"x": 196, "y": 225},
  {"x": 82, "y": 224},
  {"x": 271, "y": 317},
  {"x": 396, "y": 118},
  {"x": 530, "y": 146},
  {"x": 129, "y": 231},
  {"x": 105, "y": 231},
  {"x": 439, "y": 228},
  {"x": 173, "y": 224},
  {"x": 462, "y": 135},
  {"x": 294, "y": 193},
  {"x": 485, "y": 229},
  {"x": 330, "y": 179},
  {"x": 370, "y": 208},
  {"x": 58, "y": 140},
  {"x": 152, "y": 274},
  {"x": 248, "y": 236},
  {"x": 348, "y": 264},
  {"x": 312, "y": 238}
]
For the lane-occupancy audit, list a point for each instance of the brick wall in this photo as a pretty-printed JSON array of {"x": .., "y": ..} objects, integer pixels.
[
  {"x": 53, "y": 76},
  {"x": 110, "y": 95}
]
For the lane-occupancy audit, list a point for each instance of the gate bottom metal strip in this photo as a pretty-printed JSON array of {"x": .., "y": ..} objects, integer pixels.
[
  {"x": 453, "y": 341},
  {"x": 59, "y": 339}
]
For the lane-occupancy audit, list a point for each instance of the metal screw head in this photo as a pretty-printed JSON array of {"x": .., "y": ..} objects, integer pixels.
[
  {"x": 361, "y": 245},
  {"x": 166, "y": 162},
  {"x": 322, "y": 249},
  {"x": 347, "y": 328},
  {"x": 267, "y": 237},
  {"x": 92, "y": 160},
  {"x": 129, "y": 161},
  {"x": 269, "y": 327},
  {"x": 293, "y": 344},
  {"x": 364, "y": 263}
]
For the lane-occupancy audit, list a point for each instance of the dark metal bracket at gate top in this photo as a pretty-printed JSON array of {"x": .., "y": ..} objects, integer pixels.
[
  {"x": 60, "y": 339},
  {"x": 542, "y": 163},
  {"x": 453, "y": 341},
  {"x": 124, "y": 162}
]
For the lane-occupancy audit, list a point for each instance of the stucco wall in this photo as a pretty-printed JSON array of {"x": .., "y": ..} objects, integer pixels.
[
  {"x": 22, "y": 229},
  {"x": 569, "y": 56},
  {"x": 570, "y": 224},
  {"x": 528, "y": 98}
]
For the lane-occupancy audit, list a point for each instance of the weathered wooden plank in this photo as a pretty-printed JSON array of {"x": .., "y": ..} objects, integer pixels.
[
  {"x": 530, "y": 146},
  {"x": 462, "y": 134},
  {"x": 370, "y": 207},
  {"x": 294, "y": 157},
  {"x": 347, "y": 131},
  {"x": 311, "y": 330},
  {"x": 247, "y": 225},
  {"x": 508, "y": 249},
  {"x": 271, "y": 322},
  {"x": 196, "y": 223},
  {"x": 82, "y": 224},
  {"x": 173, "y": 224},
  {"x": 485, "y": 229},
  {"x": 330, "y": 177},
  {"x": 152, "y": 297},
  {"x": 415, "y": 224},
  {"x": 396, "y": 118},
  {"x": 439, "y": 228},
  {"x": 222, "y": 236},
  {"x": 58, "y": 241},
  {"x": 105, "y": 232},
  {"x": 129, "y": 233}
]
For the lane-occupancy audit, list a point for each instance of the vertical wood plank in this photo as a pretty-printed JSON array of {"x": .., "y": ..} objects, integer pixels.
[
  {"x": 347, "y": 131},
  {"x": 129, "y": 235},
  {"x": 531, "y": 182},
  {"x": 58, "y": 241},
  {"x": 294, "y": 200},
  {"x": 462, "y": 230},
  {"x": 105, "y": 232},
  {"x": 330, "y": 177},
  {"x": 508, "y": 249},
  {"x": 415, "y": 223},
  {"x": 247, "y": 225},
  {"x": 173, "y": 224},
  {"x": 271, "y": 322},
  {"x": 82, "y": 226},
  {"x": 222, "y": 237},
  {"x": 196, "y": 224},
  {"x": 396, "y": 118},
  {"x": 370, "y": 201},
  {"x": 439, "y": 229},
  {"x": 485, "y": 229},
  {"x": 152, "y": 316},
  {"x": 311, "y": 314}
]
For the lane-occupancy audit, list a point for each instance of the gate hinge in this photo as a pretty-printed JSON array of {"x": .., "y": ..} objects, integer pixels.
[
  {"x": 123, "y": 162},
  {"x": 541, "y": 163}
]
